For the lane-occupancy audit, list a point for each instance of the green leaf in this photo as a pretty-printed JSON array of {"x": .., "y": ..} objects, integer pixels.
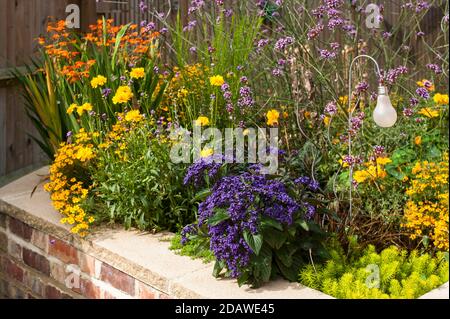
[
  {"x": 254, "y": 241},
  {"x": 303, "y": 224},
  {"x": 218, "y": 266},
  {"x": 269, "y": 222},
  {"x": 119, "y": 37},
  {"x": 275, "y": 238},
  {"x": 220, "y": 216},
  {"x": 242, "y": 279},
  {"x": 291, "y": 272}
]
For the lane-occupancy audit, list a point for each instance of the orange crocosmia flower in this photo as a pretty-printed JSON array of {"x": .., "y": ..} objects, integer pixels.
[
  {"x": 90, "y": 62},
  {"x": 41, "y": 40}
]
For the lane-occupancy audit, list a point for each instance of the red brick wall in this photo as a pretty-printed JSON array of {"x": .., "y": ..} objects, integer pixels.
[{"x": 34, "y": 264}]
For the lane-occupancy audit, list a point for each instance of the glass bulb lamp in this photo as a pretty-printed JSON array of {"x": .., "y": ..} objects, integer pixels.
[{"x": 384, "y": 115}]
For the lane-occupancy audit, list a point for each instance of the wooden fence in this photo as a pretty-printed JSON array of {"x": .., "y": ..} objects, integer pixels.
[{"x": 22, "y": 21}]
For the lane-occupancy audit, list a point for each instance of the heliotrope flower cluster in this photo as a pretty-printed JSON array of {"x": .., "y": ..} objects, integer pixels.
[{"x": 245, "y": 198}]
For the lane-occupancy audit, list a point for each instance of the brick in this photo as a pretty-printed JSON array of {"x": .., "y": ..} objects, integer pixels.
[
  {"x": 15, "y": 250},
  {"x": 2, "y": 220},
  {"x": 51, "y": 292},
  {"x": 89, "y": 289},
  {"x": 36, "y": 261},
  {"x": 87, "y": 264},
  {"x": 34, "y": 283},
  {"x": 15, "y": 292},
  {"x": 146, "y": 292},
  {"x": 11, "y": 269},
  {"x": 63, "y": 251},
  {"x": 3, "y": 242},
  {"x": 117, "y": 279},
  {"x": 57, "y": 272},
  {"x": 20, "y": 229},
  {"x": 40, "y": 240},
  {"x": 108, "y": 295}
]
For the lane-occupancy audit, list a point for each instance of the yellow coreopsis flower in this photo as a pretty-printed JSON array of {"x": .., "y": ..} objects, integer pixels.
[
  {"x": 133, "y": 116},
  {"x": 72, "y": 108},
  {"x": 206, "y": 152},
  {"x": 418, "y": 140},
  {"x": 216, "y": 80},
  {"x": 137, "y": 73},
  {"x": 361, "y": 176},
  {"x": 272, "y": 117},
  {"x": 99, "y": 80},
  {"x": 440, "y": 99},
  {"x": 202, "y": 121},
  {"x": 86, "y": 107},
  {"x": 383, "y": 160},
  {"x": 429, "y": 112},
  {"x": 123, "y": 95}
]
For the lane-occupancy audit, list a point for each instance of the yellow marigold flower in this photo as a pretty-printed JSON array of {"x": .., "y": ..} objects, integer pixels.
[
  {"x": 418, "y": 140},
  {"x": 123, "y": 95},
  {"x": 91, "y": 220},
  {"x": 99, "y": 80},
  {"x": 272, "y": 117},
  {"x": 133, "y": 116},
  {"x": 429, "y": 112},
  {"x": 440, "y": 99},
  {"x": 206, "y": 152},
  {"x": 86, "y": 107},
  {"x": 72, "y": 108},
  {"x": 202, "y": 121},
  {"x": 137, "y": 73},
  {"x": 383, "y": 160},
  {"x": 216, "y": 80}
]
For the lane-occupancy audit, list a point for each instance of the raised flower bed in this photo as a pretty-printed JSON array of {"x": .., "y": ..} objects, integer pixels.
[{"x": 239, "y": 138}]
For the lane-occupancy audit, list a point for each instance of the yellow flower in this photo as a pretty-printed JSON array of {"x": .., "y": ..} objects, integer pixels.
[
  {"x": 123, "y": 95},
  {"x": 429, "y": 112},
  {"x": 361, "y": 176},
  {"x": 383, "y": 160},
  {"x": 272, "y": 117},
  {"x": 343, "y": 100},
  {"x": 441, "y": 99},
  {"x": 216, "y": 80},
  {"x": 202, "y": 121},
  {"x": 99, "y": 80},
  {"x": 326, "y": 120},
  {"x": 246, "y": 132},
  {"x": 418, "y": 140},
  {"x": 72, "y": 108},
  {"x": 86, "y": 107},
  {"x": 91, "y": 220},
  {"x": 206, "y": 152},
  {"x": 137, "y": 73},
  {"x": 133, "y": 116},
  {"x": 84, "y": 153}
]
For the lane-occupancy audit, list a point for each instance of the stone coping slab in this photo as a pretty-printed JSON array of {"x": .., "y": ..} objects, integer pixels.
[{"x": 142, "y": 255}]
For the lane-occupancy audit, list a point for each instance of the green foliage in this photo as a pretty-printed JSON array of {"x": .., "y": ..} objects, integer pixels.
[
  {"x": 196, "y": 247},
  {"x": 393, "y": 273},
  {"x": 136, "y": 183}
]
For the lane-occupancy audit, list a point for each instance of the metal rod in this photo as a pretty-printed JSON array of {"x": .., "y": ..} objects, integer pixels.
[{"x": 350, "y": 117}]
